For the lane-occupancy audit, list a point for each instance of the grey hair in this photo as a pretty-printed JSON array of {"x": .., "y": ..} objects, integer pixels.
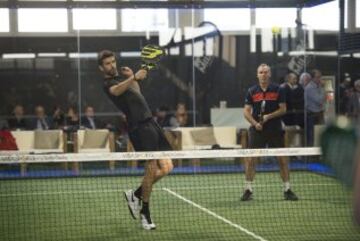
[
  {"x": 264, "y": 65},
  {"x": 304, "y": 76}
]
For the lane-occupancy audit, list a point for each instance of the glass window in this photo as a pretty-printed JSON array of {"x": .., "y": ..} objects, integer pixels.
[
  {"x": 42, "y": 20},
  {"x": 144, "y": 19},
  {"x": 94, "y": 0},
  {"x": 43, "y": 0},
  {"x": 275, "y": 17},
  {"x": 91, "y": 19},
  {"x": 229, "y": 19},
  {"x": 322, "y": 17},
  {"x": 4, "y": 20},
  {"x": 358, "y": 14}
]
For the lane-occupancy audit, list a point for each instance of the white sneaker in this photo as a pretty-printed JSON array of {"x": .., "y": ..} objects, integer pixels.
[
  {"x": 146, "y": 222},
  {"x": 134, "y": 203}
]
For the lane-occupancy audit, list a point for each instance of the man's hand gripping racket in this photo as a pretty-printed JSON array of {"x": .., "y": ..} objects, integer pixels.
[{"x": 150, "y": 56}]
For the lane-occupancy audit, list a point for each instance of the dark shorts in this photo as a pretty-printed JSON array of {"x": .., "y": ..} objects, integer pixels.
[
  {"x": 266, "y": 138},
  {"x": 149, "y": 136}
]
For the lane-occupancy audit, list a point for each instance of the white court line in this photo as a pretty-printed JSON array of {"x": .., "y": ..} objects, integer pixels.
[
  {"x": 155, "y": 189},
  {"x": 255, "y": 236}
]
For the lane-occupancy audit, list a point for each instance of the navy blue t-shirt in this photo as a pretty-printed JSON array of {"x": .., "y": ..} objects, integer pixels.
[
  {"x": 272, "y": 97},
  {"x": 132, "y": 103}
]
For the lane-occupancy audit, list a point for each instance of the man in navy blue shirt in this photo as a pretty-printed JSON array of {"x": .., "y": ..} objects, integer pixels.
[{"x": 265, "y": 104}]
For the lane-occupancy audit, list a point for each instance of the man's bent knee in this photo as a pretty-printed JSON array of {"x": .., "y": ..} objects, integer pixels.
[{"x": 166, "y": 165}]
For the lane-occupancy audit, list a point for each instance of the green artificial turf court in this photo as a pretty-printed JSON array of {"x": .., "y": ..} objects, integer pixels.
[{"x": 184, "y": 207}]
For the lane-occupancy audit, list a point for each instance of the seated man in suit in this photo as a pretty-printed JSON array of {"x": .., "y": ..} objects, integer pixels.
[
  {"x": 17, "y": 120},
  {"x": 89, "y": 121},
  {"x": 41, "y": 121}
]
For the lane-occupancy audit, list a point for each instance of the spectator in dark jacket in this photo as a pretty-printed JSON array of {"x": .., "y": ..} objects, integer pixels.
[
  {"x": 18, "y": 121},
  {"x": 164, "y": 118},
  {"x": 41, "y": 121},
  {"x": 294, "y": 93},
  {"x": 89, "y": 121}
]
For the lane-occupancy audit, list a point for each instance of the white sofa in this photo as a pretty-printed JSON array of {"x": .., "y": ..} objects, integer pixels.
[
  {"x": 38, "y": 142},
  {"x": 225, "y": 137},
  {"x": 90, "y": 141}
]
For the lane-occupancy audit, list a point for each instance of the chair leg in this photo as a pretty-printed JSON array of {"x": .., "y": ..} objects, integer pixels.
[
  {"x": 133, "y": 164},
  {"x": 75, "y": 167},
  {"x": 179, "y": 162},
  {"x": 195, "y": 162},
  {"x": 112, "y": 165},
  {"x": 23, "y": 169}
]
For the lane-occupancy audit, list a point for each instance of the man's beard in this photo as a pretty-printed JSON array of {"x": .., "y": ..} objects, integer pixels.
[{"x": 112, "y": 72}]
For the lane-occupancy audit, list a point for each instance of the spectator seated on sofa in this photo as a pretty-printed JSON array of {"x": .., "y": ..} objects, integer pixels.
[
  {"x": 41, "y": 121},
  {"x": 89, "y": 121},
  {"x": 17, "y": 121}
]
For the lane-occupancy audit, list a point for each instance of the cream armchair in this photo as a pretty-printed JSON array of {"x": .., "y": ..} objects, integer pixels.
[
  {"x": 90, "y": 141},
  {"x": 39, "y": 141}
]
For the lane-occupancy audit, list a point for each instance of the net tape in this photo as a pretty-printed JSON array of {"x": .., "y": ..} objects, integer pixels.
[{"x": 13, "y": 157}]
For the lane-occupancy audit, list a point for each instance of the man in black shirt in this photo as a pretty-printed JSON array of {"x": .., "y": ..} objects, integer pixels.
[
  {"x": 294, "y": 94},
  {"x": 264, "y": 106},
  {"x": 124, "y": 91}
]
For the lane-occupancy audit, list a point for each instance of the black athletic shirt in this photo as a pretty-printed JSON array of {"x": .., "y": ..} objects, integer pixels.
[
  {"x": 132, "y": 103},
  {"x": 273, "y": 96}
]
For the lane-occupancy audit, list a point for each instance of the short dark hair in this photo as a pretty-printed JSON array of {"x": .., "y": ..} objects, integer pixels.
[
  {"x": 104, "y": 54},
  {"x": 313, "y": 72}
]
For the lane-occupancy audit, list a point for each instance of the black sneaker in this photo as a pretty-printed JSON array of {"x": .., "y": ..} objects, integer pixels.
[
  {"x": 290, "y": 196},
  {"x": 247, "y": 195}
]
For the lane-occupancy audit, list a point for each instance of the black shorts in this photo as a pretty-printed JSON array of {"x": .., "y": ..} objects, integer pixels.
[
  {"x": 266, "y": 138},
  {"x": 149, "y": 136}
]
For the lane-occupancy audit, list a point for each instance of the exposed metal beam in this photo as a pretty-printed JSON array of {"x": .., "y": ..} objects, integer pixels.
[
  {"x": 313, "y": 3},
  {"x": 181, "y": 4}
]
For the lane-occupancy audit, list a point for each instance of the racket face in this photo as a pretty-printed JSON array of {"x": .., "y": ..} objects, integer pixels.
[{"x": 151, "y": 54}]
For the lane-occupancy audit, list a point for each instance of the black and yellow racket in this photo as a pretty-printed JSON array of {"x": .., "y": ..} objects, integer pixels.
[{"x": 150, "y": 56}]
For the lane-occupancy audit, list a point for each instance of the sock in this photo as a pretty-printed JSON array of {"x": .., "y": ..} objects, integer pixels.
[
  {"x": 145, "y": 208},
  {"x": 138, "y": 192},
  {"x": 286, "y": 186},
  {"x": 248, "y": 185}
]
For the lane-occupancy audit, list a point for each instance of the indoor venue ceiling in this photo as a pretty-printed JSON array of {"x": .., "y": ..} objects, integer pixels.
[{"x": 162, "y": 4}]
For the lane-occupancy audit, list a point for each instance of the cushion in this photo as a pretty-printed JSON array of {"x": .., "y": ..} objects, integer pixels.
[
  {"x": 47, "y": 139},
  {"x": 95, "y": 139},
  {"x": 203, "y": 136}
]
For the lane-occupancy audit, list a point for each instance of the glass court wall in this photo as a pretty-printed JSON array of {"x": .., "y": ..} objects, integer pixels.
[
  {"x": 212, "y": 53},
  {"x": 49, "y": 52}
]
